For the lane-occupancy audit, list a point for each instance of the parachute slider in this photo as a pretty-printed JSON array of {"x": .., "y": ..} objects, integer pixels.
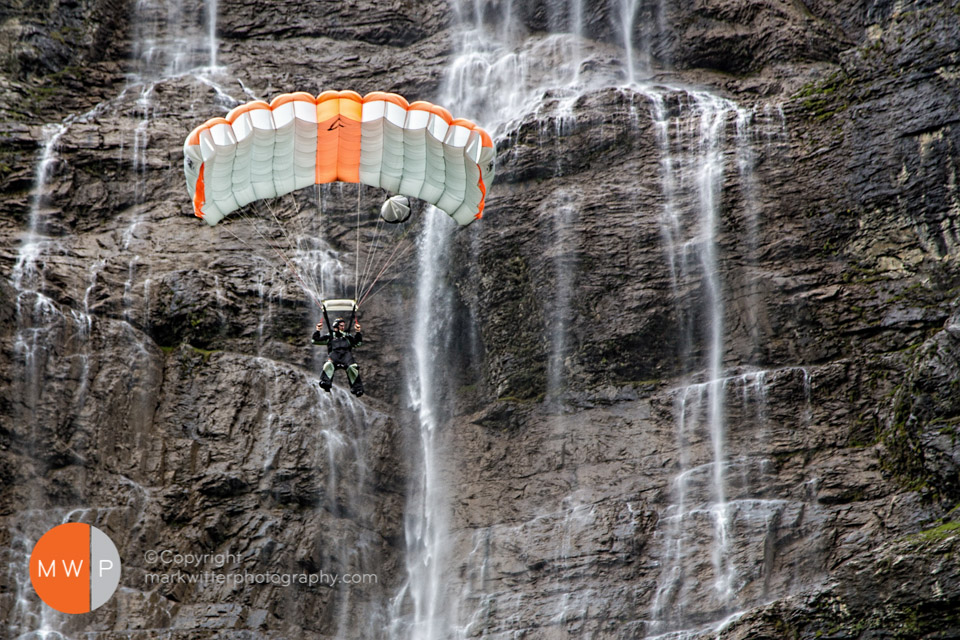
[
  {"x": 340, "y": 304},
  {"x": 340, "y": 307}
]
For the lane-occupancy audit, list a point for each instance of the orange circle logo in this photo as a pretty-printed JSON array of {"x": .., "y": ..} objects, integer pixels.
[{"x": 75, "y": 568}]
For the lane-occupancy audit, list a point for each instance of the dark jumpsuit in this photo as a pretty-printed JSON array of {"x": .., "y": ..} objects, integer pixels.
[{"x": 339, "y": 345}]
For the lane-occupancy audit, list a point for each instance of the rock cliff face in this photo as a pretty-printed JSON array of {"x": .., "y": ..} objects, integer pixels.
[{"x": 695, "y": 373}]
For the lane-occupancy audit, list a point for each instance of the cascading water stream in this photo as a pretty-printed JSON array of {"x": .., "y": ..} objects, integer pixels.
[
  {"x": 690, "y": 234},
  {"x": 712, "y": 490},
  {"x": 424, "y": 608},
  {"x": 27, "y": 276},
  {"x": 690, "y": 240},
  {"x": 169, "y": 40},
  {"x": 425, "y": 522}
]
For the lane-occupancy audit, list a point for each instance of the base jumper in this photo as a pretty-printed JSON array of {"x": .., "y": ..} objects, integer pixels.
[{"x": 339, "y": 345}]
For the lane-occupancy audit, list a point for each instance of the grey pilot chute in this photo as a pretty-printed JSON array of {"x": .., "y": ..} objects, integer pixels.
[{"x": 395, "y": 209}]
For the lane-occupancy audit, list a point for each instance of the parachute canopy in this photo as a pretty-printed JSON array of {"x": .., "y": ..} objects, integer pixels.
[{"x": 262, "y": 150}]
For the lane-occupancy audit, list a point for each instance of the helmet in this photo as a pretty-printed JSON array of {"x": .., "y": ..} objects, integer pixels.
[{"x": 339, "y": 321}]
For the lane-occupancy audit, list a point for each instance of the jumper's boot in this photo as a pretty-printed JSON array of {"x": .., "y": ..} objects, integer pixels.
[
  {"x": 356, "y": 385},
  {"x": 326, "y": 376}
]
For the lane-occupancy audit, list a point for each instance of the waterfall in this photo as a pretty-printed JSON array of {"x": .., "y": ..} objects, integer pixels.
[
  {"x": 515, "y": 71},
  {"x": 712, "y": 519},
  {"x": 714, "y": 490},
  {"x": 513, "y": 82},
  {"x": 426, "y": 522},
  {"x": 37, "y": 316}
]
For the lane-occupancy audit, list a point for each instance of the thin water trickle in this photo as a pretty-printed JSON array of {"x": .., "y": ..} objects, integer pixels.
[
  {"x": 563, "y": 231},
  {"x": 27, "y": 276},
  {"x": 37, "y": 316}
]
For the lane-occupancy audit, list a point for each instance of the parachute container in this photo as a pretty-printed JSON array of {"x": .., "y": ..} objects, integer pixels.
[
  {"x": 262, "y": 150},
  {"x": 395, "y": 210}
]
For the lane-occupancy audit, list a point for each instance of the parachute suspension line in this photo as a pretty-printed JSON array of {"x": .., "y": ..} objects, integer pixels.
[
  {"x": 282, "y": 255},
  {"x": 303, "y": 283},
  {"x": 362, "y": 273},
  {"x": 303, "y": 235},
  {"x": 370, "y": 292},
  {"x": 253, "y": 222},
  {"x": 393, "y": 258},
  {"x": 294, "y": 246},
  {"x": 300, "y": 233},
  {"x": 290, "y": 263},
  {"x": 370, "y": 262},
  {"x": 356, "y": 268},
  {"x": 238, "y": 238},
  {"x": 316, "y": 193},
  {"x": 290, "y": 241}
]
